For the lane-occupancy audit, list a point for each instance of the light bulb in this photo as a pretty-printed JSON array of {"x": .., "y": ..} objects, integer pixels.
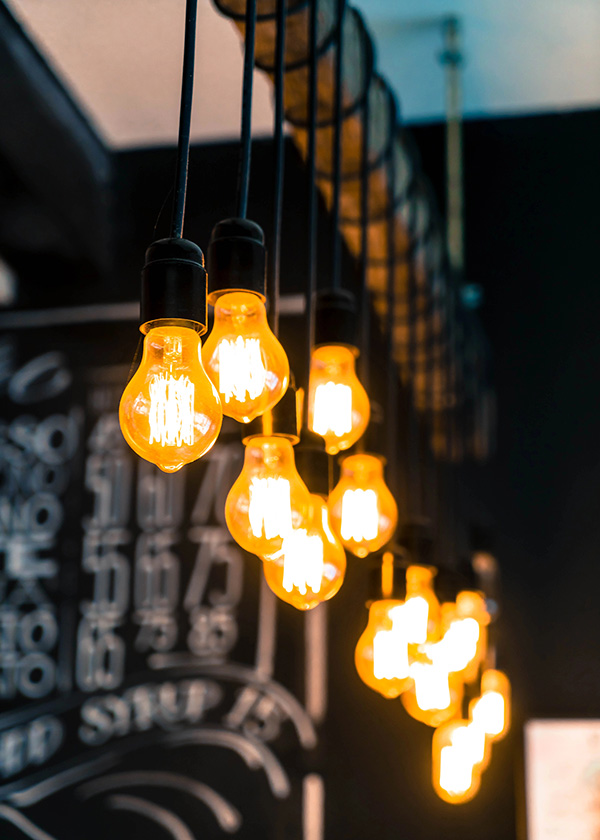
[
  {"x": 338, "y": 405},
  {"x": 243, "y": 358},
  {"x": 381, "y": 655},
  {"x": 456, "y": 773},
  {"x": 436, "y": 695},
  {"x": 363, "y": 511},
  {"x": 170, "y": 413},
  {"x": 268, "y": 499},
  {"x": 421, "y": 606},
  {"x": 311, "y": 564},
  {"x": 491, "y": 711},
  {"x": 471, "y": 605}
]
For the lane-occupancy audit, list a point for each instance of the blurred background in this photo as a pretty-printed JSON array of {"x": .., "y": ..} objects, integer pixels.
[{"x": 89, "y": 99}]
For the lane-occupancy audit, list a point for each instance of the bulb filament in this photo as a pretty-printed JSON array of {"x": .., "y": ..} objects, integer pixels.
[
  {"x": 302, "y": 561},
  {"x": 360, "y": 515},
  {"x": 242, "y": 374},
  {"x": 270, "y": 507},
  {"x": 332, "y": 413},
  {"x": 171, "y": 414}
]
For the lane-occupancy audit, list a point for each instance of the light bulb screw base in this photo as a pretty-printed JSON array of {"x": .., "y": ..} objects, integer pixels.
[
  {"x": 336, "y": 318},
  {"x": 236, "y": 258},
  {"x": 173, "y": 286}
]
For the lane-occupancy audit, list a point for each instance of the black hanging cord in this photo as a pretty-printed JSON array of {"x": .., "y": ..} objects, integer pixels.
[
  {"x": 313, "y": 207},
  {"x": 185, "y": 119},
  {"x": 364, "y": 244},
  {"x": 243, "y": 184},
  {"x": 392, "y": 396},
  {"x": 336, "y": 268},
  {"x": 281, "y": 15}
]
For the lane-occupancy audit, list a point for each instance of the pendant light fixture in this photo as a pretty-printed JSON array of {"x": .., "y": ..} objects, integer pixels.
[
  {"x": 170, "y": 413},
  {"x": 242, "y": 356},
  {"x": 363, "y": 511},
  {"x": 338, "y": 405}
]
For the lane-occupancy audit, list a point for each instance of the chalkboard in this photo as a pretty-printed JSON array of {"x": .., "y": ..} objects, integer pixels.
[{"x": 147, "y": 687}]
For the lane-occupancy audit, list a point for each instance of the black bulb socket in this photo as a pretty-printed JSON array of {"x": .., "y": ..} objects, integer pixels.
[
  {"x": 236, "y": 258},
  {"x": 336, "y": 318},
  {"x": 173, "y": 286}
]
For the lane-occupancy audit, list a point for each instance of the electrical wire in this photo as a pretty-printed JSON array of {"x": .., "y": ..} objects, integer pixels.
[
  {"x": 281, "y": 18},
  {"x": 336, "y": 268},
  {"x": 243, "y": 184},
  {"x": 365, "y": 309},
  {"x": 313, "y": 207},
  {"x": 392, "y": 396},
  {"x": 185, "y": 119}
]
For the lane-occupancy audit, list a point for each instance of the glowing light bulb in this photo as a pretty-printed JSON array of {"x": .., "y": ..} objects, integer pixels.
[
  {"x": 471, "y": 605},
  {"x": 311, "y": 564},
  {"x": 170, "y": 413},
  {"x": 268, "y": 499},
  {"x": 381, "y": 655},
  {"x": 436, "y": 695},
  {"x": 456, "y": 774},
  {"x": 458, "y": 647},
  {"x": 243, "y": 358},
  {"x": 491, "y": 711},
  {"x": 363, "y": 511},
  {"x": 422, "y": 607},
  {"x": 338, "y": 405}
]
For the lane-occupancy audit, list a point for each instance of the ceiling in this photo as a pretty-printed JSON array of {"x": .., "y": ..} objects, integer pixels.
[{"x": 122, "y": 60}]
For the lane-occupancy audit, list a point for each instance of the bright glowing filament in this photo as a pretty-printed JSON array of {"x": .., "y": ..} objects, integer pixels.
[
  {"x": 491, "y": 711},
  {"x": 242, "y": 373},
  {"x": 456, "y": 650},
  {"x": 243, "y": 358},
  {"x": 170, "y": 413},
  {"x": 268, "y": 499},
  {"x": 432, "y": 686},
  {"x": 360, "y": 517},
  {"x": 416, "y": 617},
  {"x": 311, "y": 564},
  {"x": 332, "y": 412},
  {"x": 390, "y": 648},
  {"x": 338, "y": 405},
  {"x": 171, "y": 410},
  {"x": 457, "y": 751},
  {"x": 381, "y": 655},
  {"x": 302, "y": 562},
  {"x": 270, "y": 508},
  {"x": 363, "y": 511}
]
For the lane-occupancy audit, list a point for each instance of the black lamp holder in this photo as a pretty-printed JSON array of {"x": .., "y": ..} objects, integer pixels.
[
  {"x": 335, "y": 318},
  {"x": 173, "y": 286},
  {"x": 236, "y": 259}
]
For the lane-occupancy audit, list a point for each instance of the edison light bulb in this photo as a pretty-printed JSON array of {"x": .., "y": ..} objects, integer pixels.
[
  {"x": 269, "y": 499},
  {"x": 421, "y": 604},
  {"x": 363, "y": 511},
  {"x": 471, "y": 605},
  {"x": 456, "y": 774},
  {"x": 491, "y": 711},
  {"x": 381, "y": 654},
  {"x": 338, "y": 405},
  {"x": 436, "y": 695},
  {"x": 170, "y": 412},
  {"x": 247, "y": 364},
  {"x": 311, "y": 564}
]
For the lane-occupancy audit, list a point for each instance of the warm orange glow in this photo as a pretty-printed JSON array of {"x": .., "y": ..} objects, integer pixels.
[
  {"x": 421, "y": 604},
  {"x": 243, "y": 358},
  {"x": 381, "y": 654},
  {"x": 311, "y": 564},
  {"x": 471, "y": 605},
  {"x": 170, "y": 413},
  {"x": 435, "y": 697},
  {"x": 363, "y": 511},
  {"x": 269, "y": 498},
  {"x": 338, "y": 405},
  {"x": 491, "y": 711},
  {"x": 456, "y": 748}
]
